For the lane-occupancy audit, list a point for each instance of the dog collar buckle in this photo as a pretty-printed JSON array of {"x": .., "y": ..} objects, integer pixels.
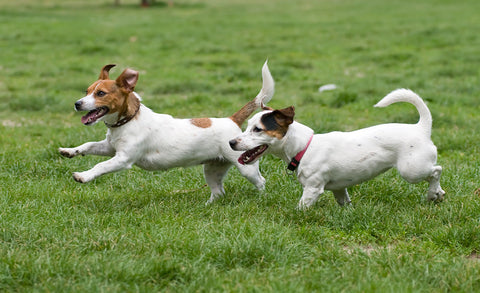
[
  {"x": 293, "y": 165},
  {"x": 290, "y": 169}
]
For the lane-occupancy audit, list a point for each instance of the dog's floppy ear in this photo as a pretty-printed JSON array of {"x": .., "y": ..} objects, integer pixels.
[
  {"x": 278, "y": 120},
  {"x": 105, "y": 70},
  {"x": 128, "y": 79},
  {"x": 284, "y": 117}
]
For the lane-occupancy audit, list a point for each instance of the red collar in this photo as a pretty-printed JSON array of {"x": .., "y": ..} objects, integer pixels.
[{"x": 296, "y": 160}]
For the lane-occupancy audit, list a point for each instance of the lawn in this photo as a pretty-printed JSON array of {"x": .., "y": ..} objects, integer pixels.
[{"x": 139, "y": 231}]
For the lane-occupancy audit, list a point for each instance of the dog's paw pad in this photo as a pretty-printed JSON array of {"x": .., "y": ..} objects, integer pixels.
[
  {"x": 440, "y": 195},
  {"x": 437, "y": 196},
  {"x": 67, "y": 153},
  {"x": 77, "y": 177}
]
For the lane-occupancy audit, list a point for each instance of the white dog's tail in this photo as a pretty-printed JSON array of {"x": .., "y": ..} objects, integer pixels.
[
  {"x": 405, "y": 95},
  {"x": 268, "y": 87},
  {"x": 263, "y": 97}
]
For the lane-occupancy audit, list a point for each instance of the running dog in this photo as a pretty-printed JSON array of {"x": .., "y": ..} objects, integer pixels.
[
  {"x": 138, "y": 136},
  {"x": 337, "y": 160}
]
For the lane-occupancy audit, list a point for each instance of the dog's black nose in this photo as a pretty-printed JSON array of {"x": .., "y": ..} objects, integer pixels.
[
  {"x": 78, "y": 104},
  {"x": 232, "y": 143}
]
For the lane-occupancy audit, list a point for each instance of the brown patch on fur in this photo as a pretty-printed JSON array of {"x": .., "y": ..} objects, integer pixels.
[
  {"x": 275, "y": 124},
  {"x": 201, "y": 122},
  {"x": 241, "y": 115},
  {"x": 277, "y": 133},
  {"x": 108, "y": 93},
  {"x": 133, "y": 103},
  {"x": 271, "y": 126}
]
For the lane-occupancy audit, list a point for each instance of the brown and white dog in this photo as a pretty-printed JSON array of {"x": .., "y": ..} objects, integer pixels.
[
  {"x": 137, "y": 135},
  {"x": 337, "y": 160}
]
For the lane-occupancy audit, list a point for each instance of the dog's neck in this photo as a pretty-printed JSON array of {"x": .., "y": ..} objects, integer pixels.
[
  {"x": 129, "y": 111},
  {"x": 294, "y": 141}
]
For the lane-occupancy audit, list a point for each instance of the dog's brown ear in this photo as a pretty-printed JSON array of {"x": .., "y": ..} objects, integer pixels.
[
  {"x": 128, "y": 79},
  {"x": 278, "y": 121},
  {"x": 105, "y": 70},
  {"x": 284, "y": 117}
]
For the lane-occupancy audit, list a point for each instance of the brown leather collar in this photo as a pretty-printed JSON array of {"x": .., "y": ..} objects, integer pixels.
[{"x": 124, "y": 120}]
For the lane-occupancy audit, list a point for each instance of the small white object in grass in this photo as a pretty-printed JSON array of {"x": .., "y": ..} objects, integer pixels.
[{"x": 327, "y": 87}]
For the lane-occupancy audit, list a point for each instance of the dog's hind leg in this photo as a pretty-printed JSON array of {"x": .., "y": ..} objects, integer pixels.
[
  {"x": 252, "y": 173},
  {"x": 215, "y": 172},
  {"x": 435, "y": 191},
  {"x": 341, "y": 195},
  {"x": 417, "y": 170}
]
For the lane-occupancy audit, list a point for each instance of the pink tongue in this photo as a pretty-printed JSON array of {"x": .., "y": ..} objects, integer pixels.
[
  {"x": 84, "y": 119},
  {"x": 90, "y": 116},
  {"x": 251, "y": 155}
]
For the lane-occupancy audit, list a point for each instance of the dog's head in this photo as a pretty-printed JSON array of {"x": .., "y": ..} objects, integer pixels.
[
  {"x": 106, "y": 96},
  {"x": 264, "y": 129}
]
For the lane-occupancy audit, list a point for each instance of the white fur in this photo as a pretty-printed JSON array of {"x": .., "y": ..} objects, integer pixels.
[
  {"x": 337, "y": 160},
  {"x": 88, "y": 102},
  {"x": 158, "y": 142},
  {"x": 267, "y": 91}
]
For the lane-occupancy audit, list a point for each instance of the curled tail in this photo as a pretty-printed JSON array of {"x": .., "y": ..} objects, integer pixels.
[
  {"x": 405, "y": 95},
  {"x": 263, "y": 97}
]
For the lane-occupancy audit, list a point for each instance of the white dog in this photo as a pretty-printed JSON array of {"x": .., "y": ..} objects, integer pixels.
[
  {"x": 337, "y": 160},
  {"x": 137, "y": 135}
]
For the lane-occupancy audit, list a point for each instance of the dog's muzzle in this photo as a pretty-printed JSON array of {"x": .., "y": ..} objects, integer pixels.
[{"x": 78, "y": 105}]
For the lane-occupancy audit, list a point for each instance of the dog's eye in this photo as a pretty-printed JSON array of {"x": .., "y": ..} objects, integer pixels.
[
  {"x": 256, "y": 129},
  {"x": 101, "y": 94}
]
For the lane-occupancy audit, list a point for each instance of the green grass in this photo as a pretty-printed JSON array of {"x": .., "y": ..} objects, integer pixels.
[{"x": 150, "y": 231}]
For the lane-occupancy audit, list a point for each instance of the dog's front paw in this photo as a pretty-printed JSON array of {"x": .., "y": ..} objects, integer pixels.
[
  {"x": 436, "y": 196},
  {"x": 69, "y": 153},
  {"x": 81, "y": 177},
  {"x": 213, "y": 198},
  {"x": 302, "y": 206}
]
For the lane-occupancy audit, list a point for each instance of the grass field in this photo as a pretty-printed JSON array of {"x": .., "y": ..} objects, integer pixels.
[{"x": 139, "y": 231}]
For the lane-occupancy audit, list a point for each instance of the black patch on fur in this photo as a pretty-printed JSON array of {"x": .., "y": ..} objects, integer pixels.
[{"x": 269, "y": 121}]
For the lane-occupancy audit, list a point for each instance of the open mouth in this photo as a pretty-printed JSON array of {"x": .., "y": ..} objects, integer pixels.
[
  {"x": 252, "y": 155},
  {"x": 94, "y": 115}
]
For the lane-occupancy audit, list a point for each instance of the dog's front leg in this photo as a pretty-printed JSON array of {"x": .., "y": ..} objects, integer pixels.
[
  {"x": 100, "y": 148},
  {"x": 309, "y": 196},
  {"x": 435, "y": 191},
  {"x": 117, "y": 163},
  {"x": 214, "y": 174}
]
